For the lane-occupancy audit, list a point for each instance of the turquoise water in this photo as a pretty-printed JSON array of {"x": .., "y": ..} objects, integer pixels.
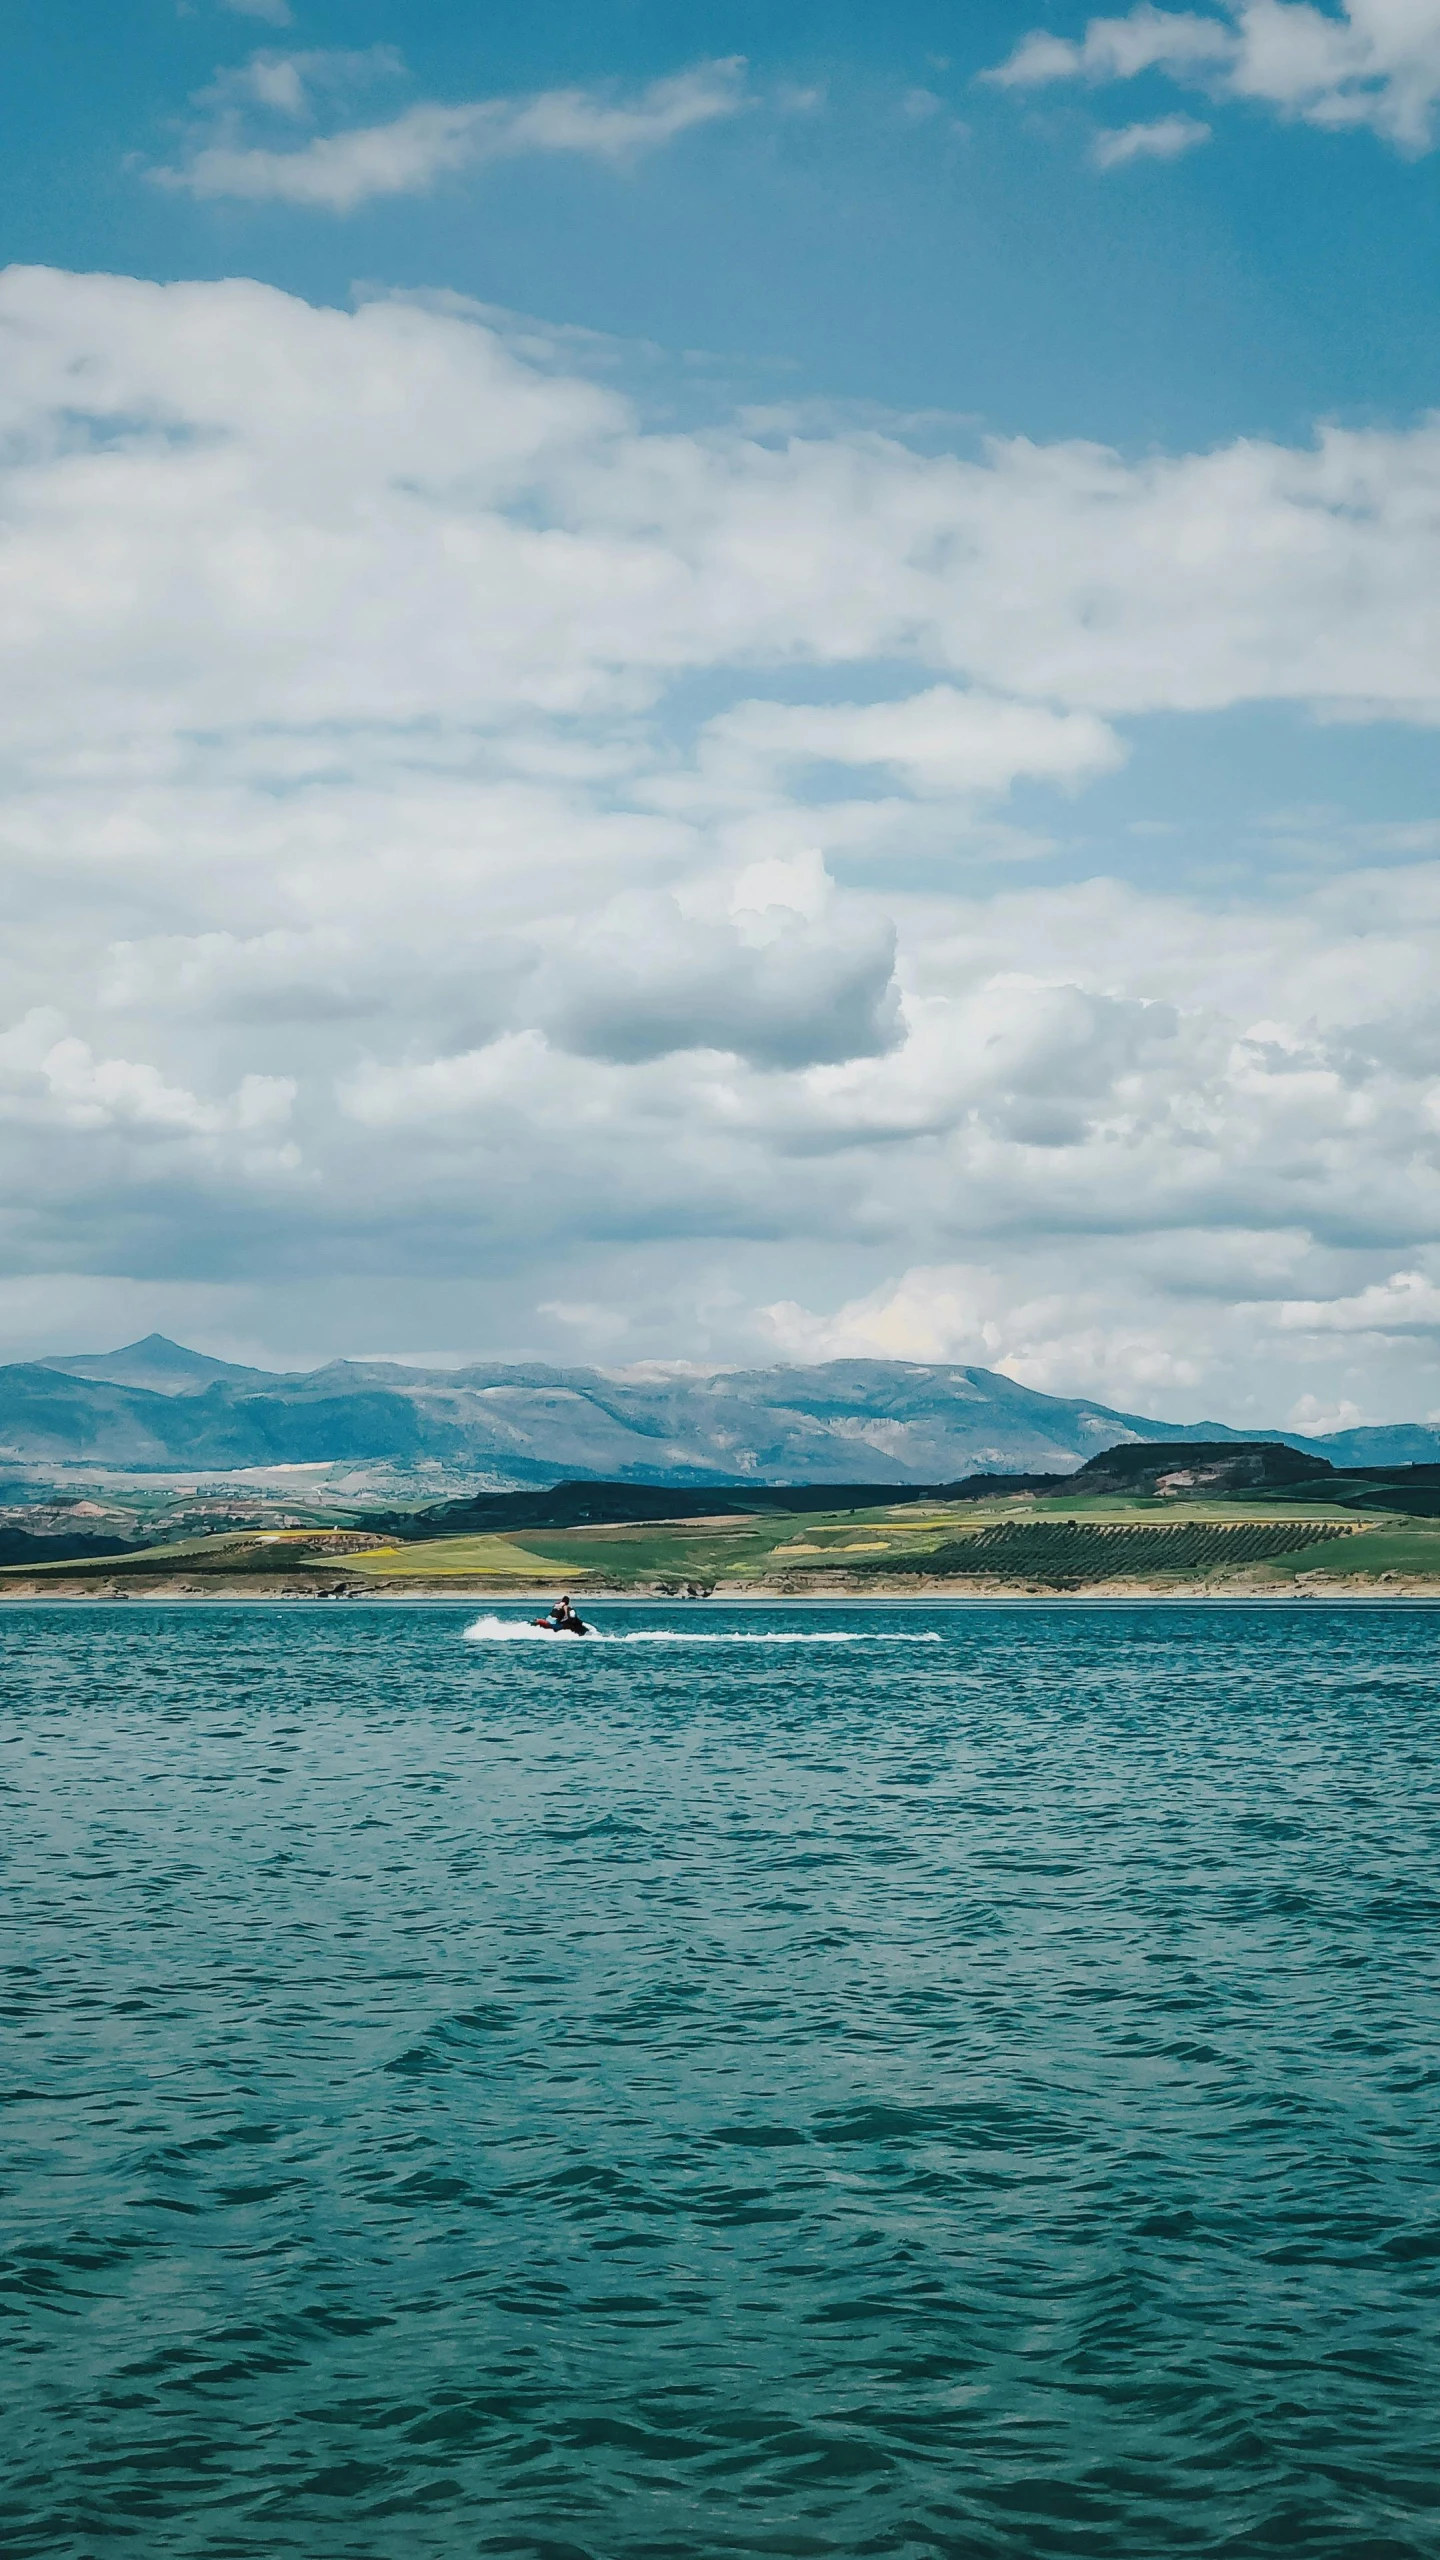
[{"x": 601, "y": 2101}]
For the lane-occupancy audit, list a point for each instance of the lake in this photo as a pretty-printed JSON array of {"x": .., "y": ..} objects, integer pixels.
[{"x": 968, "y": 2088}]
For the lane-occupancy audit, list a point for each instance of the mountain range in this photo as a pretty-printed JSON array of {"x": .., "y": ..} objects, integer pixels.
[{"x": 155, "y": 1404}]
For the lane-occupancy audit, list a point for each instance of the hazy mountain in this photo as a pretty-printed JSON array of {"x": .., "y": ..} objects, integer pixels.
[
  {"x": 155, "y": 1404},
  {"x": 1385, "y": 1444},
  {"x": 165, "y": 1367}
]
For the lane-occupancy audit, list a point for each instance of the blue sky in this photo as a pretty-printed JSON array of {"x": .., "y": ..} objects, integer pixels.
[
  {"x": 861, "y": 251},
  {"x": 755, "y": 687}
]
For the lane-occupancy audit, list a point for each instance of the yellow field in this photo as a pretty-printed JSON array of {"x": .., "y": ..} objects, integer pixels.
[{"x": 494, "y": 1559}]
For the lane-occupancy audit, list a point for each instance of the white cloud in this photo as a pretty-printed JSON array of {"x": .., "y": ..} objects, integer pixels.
[
  {"x": 47, "y": 1074},
  {"x": 1312, "y": 1416},
  {"x": 1075, "y": 1339},
  {"x": 942, "y": 741},
  {"x": 1374, "y": 63},
  {"x": 195, "y": 545},
  {"x": 565, "y": 835},
  {"x": 1118, "y": 49},
  {"x": 1166, "y": 139},
  {"x": 1058, "y": 1342},
  {"x": 259, "y": 976},
  {"x": 946, "y": 1314},
  {"x": 1407, "y": 1302},
  {"x": 643, "y": 980},
  {"x": 336, "y": 172},
  {"x": 616, "y": 129},
  {"x": 295, "y": 85}
]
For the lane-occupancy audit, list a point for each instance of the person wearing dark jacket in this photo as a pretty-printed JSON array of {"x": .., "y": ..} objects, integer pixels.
[{"x": 562, "y": 1620}]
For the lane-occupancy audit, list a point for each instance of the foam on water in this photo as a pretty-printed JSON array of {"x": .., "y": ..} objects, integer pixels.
[{"x": 492, "y": 1630}]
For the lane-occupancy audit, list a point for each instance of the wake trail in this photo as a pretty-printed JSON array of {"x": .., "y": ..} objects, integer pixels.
[{"x": 516, "y": 1631}]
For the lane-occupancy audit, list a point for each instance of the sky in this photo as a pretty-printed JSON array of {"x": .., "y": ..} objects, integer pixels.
[{"x": 727, "y": 686}]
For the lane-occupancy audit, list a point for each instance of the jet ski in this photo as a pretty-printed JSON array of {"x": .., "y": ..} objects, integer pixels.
[{"x": 563, "y": 1621}]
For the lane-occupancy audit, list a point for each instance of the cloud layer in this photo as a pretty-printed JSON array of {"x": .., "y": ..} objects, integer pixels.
[
  {"x": 472, "y": 851},
  {"x": 227, "y": 507}
]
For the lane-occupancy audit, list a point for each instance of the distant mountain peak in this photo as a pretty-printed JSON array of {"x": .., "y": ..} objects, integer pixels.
[
  {"x": 165, "y": 1353},
  {"x": 155, "y": 1362}
]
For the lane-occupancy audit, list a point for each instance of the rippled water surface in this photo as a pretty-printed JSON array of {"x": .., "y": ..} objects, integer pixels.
[{"x": 602, "y": 2100}]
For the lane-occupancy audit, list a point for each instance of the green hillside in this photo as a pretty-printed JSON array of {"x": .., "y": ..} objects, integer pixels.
[
  {"x": 1080, "y": 1536},
  {"x": 1050, "y": 1545}
]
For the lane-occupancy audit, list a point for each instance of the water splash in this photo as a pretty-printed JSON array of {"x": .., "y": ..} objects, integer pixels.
[{"x": 492, "y": 1630}]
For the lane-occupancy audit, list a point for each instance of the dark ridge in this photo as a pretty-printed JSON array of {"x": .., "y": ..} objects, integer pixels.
[
  {"x": 1211, "y": 1466},
  {"x": 18, "y": 1547},
  {"x": 580, "y": 1502},
  {"x": 1263, "y": 1467},
  {"x": 1410, "y": 1477}
]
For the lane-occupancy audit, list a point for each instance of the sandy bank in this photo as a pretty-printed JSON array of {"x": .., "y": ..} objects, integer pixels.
[{"x": 309, "y": 1592}]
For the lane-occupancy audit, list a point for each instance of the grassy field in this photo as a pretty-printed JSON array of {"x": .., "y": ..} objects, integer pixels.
[
  {"x": 1408, "y": 1549},
  {"x": 645, "y": 1552},
  {"x": 1054, "y": 1543},
  {"x": 1059, "y": 1542}
]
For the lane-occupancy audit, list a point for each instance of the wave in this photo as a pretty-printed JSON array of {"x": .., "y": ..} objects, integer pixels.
[{"x": 518, "y": 1631}]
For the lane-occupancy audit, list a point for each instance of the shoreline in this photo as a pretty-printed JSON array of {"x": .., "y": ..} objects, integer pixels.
[{"x": 238, "y": 1595}]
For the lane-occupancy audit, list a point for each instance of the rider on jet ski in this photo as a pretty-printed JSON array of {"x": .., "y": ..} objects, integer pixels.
[{"x": 562, "y": 1620}]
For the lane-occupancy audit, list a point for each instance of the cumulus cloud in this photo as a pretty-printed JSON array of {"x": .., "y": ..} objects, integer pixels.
[
  {"x": 1311, "y": 1415},
  {"x": 643, "y": 980},
  {"x": 418, "y": 761},
  {"x": 1069, "y": 1339},
  {"x": 1372, "y": 63},
  {"x": 49, "y": 1075},
  {"x": 1058, "y": 1340},
  {"x": 1168, "y": 138},
  {"x": 336, "y": 172},
  {"x": 1406, "y": 1302}
]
